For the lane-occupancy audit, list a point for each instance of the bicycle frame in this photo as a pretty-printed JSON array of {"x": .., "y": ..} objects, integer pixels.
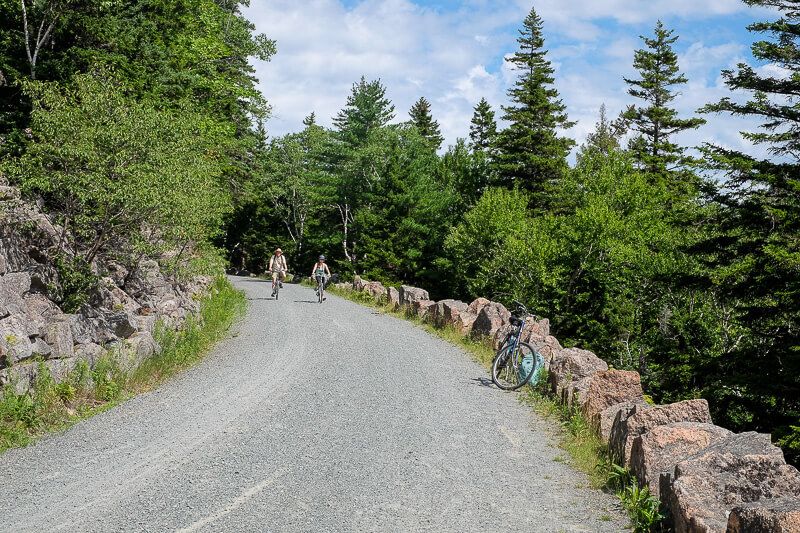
[{"x": 511, "y": 342}]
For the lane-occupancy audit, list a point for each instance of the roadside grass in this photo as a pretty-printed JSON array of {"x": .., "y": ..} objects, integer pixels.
[
  {"x": 51, "y": 406},
  {"x": 587, "y": 452}
]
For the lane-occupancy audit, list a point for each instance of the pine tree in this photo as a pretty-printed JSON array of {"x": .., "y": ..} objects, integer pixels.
[
  {"x": 655, "y": 122},
  {"x": 367, "y": 109},
  {"x": 310, "y": 120},
  {"x": 483, "y": 128},
  {"x": 756, "y": 249},
  {"x": 421, "y": 117},
  {"x": 531, "y": 152},
  {"x": 605, "y": 137}
]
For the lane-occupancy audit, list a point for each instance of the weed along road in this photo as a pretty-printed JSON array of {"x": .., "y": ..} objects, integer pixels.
[{"x": 310, "y": 417}]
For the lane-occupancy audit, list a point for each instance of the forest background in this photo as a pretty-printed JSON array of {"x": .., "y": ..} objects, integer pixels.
[{"x": 139, "y": 126}]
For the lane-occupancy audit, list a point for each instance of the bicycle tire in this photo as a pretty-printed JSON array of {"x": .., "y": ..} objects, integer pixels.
[
  {"x": 513, "y": 371},
  {"x": 321, "y": 291}
]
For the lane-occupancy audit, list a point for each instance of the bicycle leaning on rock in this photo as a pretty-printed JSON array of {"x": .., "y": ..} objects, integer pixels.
[{"x": 516, "y": 362}]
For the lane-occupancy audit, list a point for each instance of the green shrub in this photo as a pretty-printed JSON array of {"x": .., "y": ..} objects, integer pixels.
[
  {"x": 106, "y": 376},
  {"x": 76, "y": 282}
]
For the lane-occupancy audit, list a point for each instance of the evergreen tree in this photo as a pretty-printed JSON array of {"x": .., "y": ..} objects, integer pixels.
[
  {"x": 655, "y": 122},
  {"x": 756, "y": 251},
  {"x": 482, "y": 128},
  {"x": 421, "y": 117},
  {"x": 531, "y": 152},
  {"x": 367, "y": 109},
  {"x": 605, "y": 138}
]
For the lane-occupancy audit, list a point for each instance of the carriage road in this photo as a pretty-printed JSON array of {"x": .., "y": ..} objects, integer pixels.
[{"x": 309, "y": 417}]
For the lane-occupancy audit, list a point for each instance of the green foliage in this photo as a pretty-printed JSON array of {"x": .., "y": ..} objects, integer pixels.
[
  {"x": 483, "y": 128},
  {"x": 17, "y": 414},
  {"x": 108, "y": 379},
  {"x": 476, "y": 243},
  {"x": 655, "y": 124},
  {"x": 116, "y": 171},
  {"x": 531, "y": 154},
  {"x": 752, "y": 254},
  {"x": 605, "y": 139},
  {"x": 642, "y": 507},
  {"x": 367, "y": 110},
  {"x": 422, "y": 119},
  {"x": 76, "y": 282}
]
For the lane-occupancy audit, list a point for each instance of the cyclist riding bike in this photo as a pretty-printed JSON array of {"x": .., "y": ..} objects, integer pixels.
[
  {"x": 321, "y": 273},
  {"x": 278, "y": 267}
]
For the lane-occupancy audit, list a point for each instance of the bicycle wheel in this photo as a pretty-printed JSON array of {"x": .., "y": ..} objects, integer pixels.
[
  {"x": 510, "y": 371},
  {"x": 321, "y": 291}
]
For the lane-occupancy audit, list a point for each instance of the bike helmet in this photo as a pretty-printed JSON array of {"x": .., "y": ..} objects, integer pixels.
[{"x": 322, "y": 258}]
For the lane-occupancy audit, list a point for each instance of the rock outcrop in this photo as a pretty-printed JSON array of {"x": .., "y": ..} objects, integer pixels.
[
  {"x": 776, "y": 515},
  {"x": 643, "y": 418},
  {"x": 424, "y": 309},
  {"x": 119, "y": 316},
  {"x": 491, "y": 317},
  {"x": 409, "y": 295},
  {"x": 448, "y": 312},
  {"x": 733, "y": 473},
  {"x": 607, "y": 388},
  {"x": 393, "y": 297},
  {"x": 571, "y": 366},
  {"x": 654, "y": 454}
]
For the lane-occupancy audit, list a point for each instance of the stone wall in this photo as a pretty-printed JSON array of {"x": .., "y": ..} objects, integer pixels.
[
  {"x": 119, "y": 317},
  {"x": 708, "y": 478}
]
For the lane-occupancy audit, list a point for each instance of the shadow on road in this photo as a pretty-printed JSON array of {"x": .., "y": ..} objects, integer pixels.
[
  {"x": 306, "y": 301},
  {"x": 264, "y": 298},
  {"x": 484, "y": 382}
]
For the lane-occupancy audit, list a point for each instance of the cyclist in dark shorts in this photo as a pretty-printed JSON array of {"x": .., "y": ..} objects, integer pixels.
[{"x": 321, "y": 270}]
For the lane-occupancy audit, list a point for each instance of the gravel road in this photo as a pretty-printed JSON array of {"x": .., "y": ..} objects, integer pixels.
[{"x": 310, "y": 417}]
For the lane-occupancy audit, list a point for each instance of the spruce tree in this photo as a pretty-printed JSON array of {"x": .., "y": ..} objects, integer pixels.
[
  {"x": 482, "y": 128},
  {"x": 605, "y": 138},
  {"x": 655, "y": 122},
  {"x": 310, "y": 120},
  {"x": 755, "y": 254},
  {"x": 367, "y": 110},
  {"x": 422, "y": 119},
  {"x": 531, "y": 154}
]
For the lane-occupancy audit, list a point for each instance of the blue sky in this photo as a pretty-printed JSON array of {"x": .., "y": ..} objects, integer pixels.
[{"x": 452, "y": 53}]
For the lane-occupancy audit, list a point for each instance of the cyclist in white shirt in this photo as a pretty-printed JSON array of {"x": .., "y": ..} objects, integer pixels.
[{"x": 277, "y": 264}]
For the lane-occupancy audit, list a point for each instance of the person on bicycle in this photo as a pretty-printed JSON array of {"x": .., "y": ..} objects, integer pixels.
[
  {"x": 278, "y": 267},
  {"x": 321, "y": 270}
]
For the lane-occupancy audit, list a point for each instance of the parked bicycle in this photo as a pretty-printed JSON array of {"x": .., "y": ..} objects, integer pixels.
[{"x": 516, "y": 362}]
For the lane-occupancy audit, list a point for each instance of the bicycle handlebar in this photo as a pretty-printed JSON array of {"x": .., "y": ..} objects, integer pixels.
[{"x": 522, "y": 311}]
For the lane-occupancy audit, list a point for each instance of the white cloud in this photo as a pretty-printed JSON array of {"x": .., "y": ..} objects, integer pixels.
[{"x": 453, "y": 57}]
